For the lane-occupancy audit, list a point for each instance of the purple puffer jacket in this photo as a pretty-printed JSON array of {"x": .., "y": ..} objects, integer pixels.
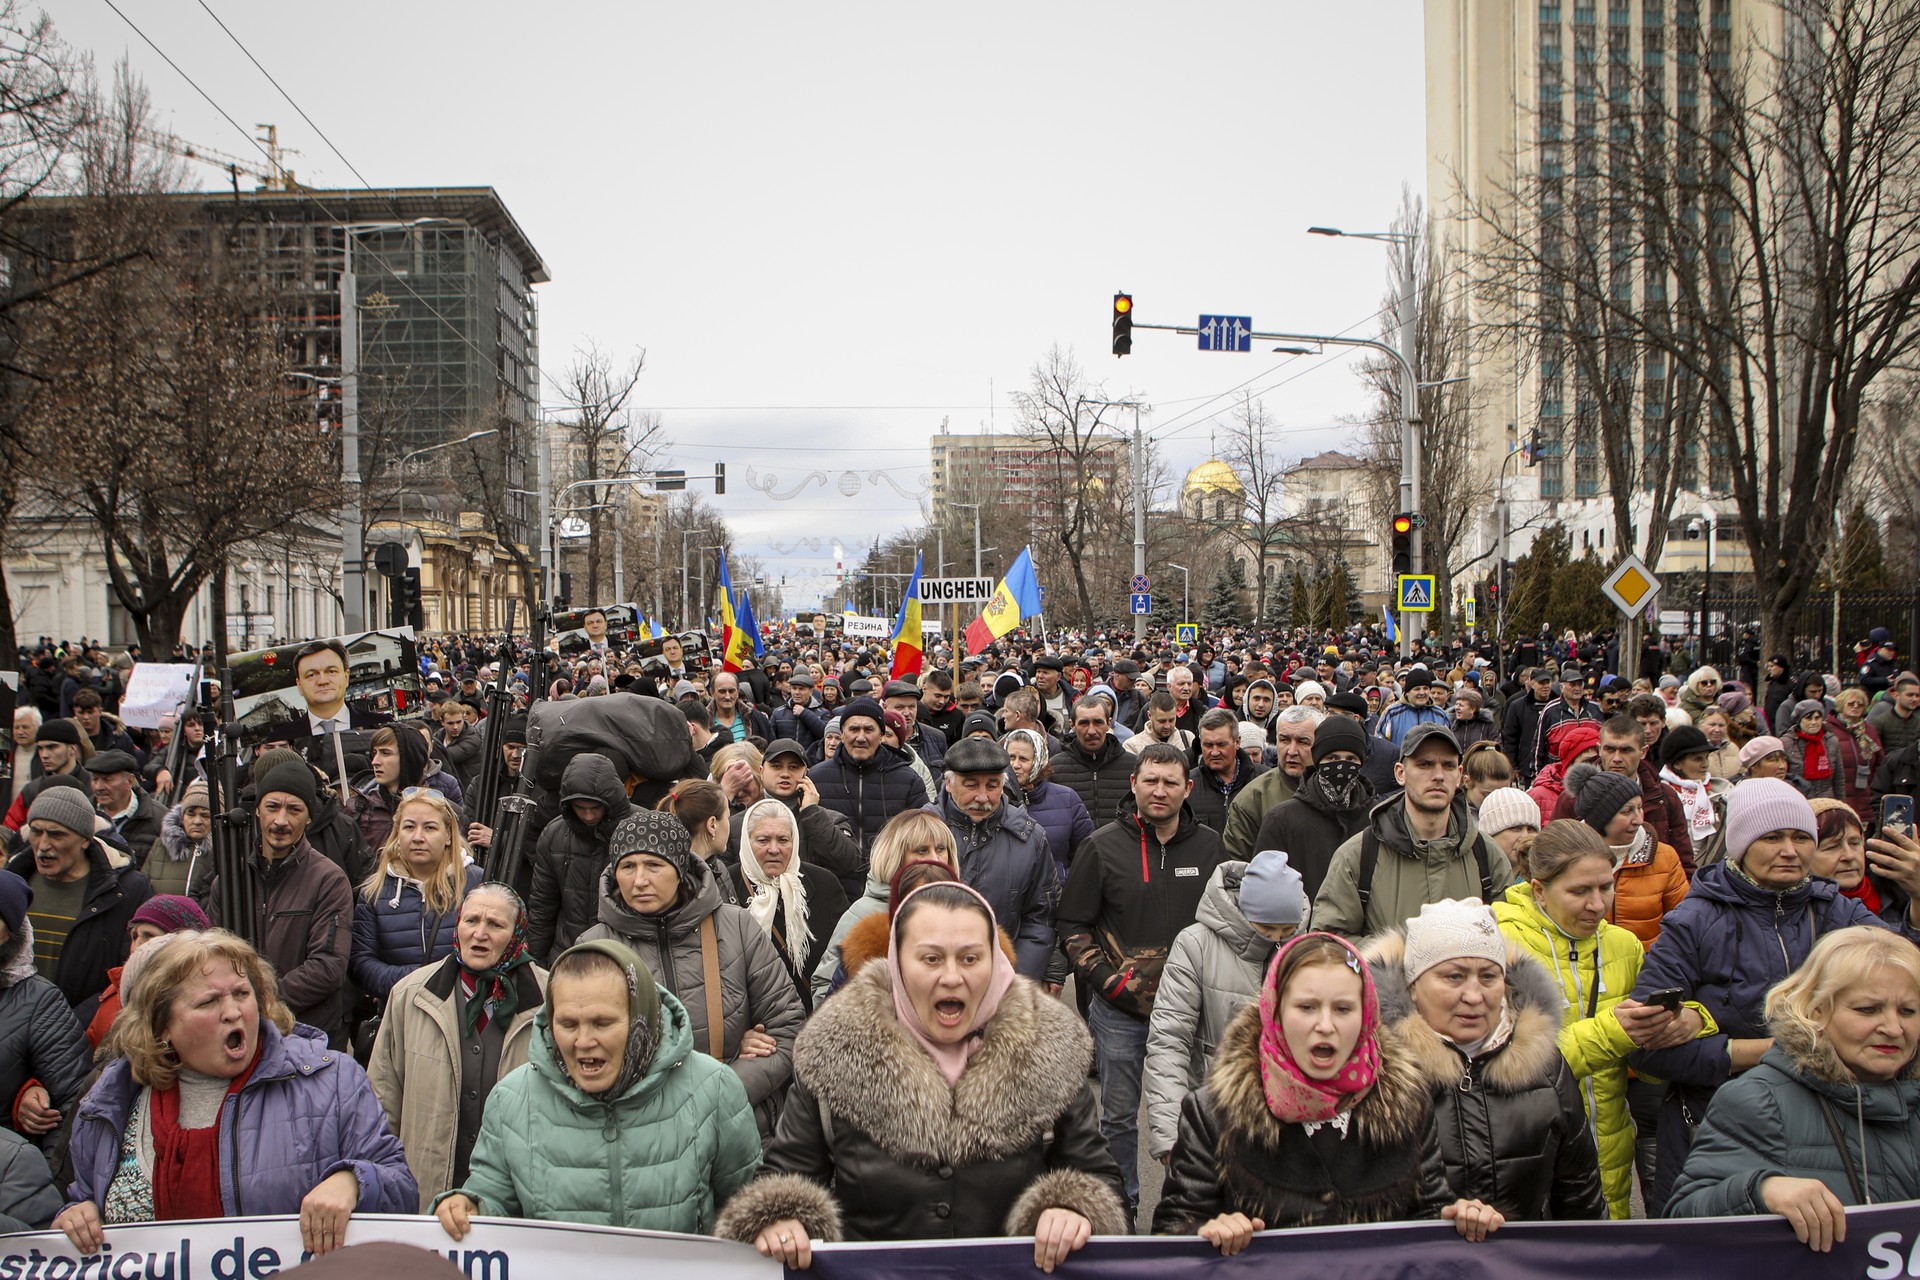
[
  {"x": 306, "y": 1113},
  {"x": 1063, "y": 817}
]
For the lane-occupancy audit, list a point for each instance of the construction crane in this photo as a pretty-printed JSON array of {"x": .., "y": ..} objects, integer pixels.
[{"x": 274, "y": 176}]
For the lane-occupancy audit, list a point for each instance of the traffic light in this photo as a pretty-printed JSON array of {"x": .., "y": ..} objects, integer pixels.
[
  {"x": 1122, "y": 323},
  {"x": 406, "y": 611},
  {"x": 719, "y": 478},
  {"x": 1402, "y": 544}
]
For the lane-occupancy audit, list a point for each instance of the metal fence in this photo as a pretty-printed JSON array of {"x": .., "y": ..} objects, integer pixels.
[{"x": 1847, "y": 616}]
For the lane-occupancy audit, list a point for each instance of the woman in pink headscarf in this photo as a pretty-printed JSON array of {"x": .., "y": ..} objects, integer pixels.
[
  {"x": 937, "y": 1096},
  {"x": 1315, "y": 1114}
]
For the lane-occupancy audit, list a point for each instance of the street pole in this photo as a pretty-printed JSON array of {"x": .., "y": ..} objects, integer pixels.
[
  {"x": 1139, "y": 519},
  {"x": 619, "y": 554},
  {"x": 1186, "y": 594},
  {"x": 1413, "y": 624},
  {"x": 353, "y": 551}
]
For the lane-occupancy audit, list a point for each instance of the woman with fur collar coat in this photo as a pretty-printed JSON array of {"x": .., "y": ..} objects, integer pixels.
[
  {"x": 1315, "y": 1114},
  {"x": 1513, "y": 1131},
  {"x": 936, "y": 1096}
]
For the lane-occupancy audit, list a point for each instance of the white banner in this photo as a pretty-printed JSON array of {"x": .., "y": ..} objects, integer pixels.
[
  {"x": 956, "y": 590},
  {"x": 156, "y": 689},
  {"x": 859, "y": 628},
  {"x": 496, "y": 1249}
]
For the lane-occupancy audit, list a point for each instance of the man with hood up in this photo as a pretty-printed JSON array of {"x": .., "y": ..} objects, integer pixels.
[{"x": 572, "y": 852}]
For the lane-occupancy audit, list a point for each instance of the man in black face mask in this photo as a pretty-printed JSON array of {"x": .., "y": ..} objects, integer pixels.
[{"x": 1330, "y": 806}]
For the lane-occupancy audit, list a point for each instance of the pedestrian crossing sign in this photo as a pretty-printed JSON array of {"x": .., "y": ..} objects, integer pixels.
[
  {"x": 1186, "y": 633},
  {"x": 1416, "y": 592}
]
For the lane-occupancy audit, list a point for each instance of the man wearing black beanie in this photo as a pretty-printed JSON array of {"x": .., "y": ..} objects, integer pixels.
[{"x": 1330, "y": 806}]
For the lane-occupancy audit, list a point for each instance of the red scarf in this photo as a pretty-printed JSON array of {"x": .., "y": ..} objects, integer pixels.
[
  {"x": 186, "y": 1162},
  {"x": 1815, "y": 765},
  {"x": 1865, "y": 894}
]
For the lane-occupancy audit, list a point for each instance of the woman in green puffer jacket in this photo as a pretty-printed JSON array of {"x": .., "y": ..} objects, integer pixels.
[
  {"x": 1831, "y": 1115},
  {"x": 1560, "y": 917},
  {"x": 614, "y": 1120}
]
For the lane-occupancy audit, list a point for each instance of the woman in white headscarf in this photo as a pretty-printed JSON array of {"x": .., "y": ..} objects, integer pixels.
[{"x": 795, "y": 903}]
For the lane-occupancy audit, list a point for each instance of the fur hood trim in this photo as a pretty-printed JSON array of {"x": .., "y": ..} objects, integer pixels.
[
  {"x": 1393, "y": 1113},
  {"x": 16, "y": 958},
  {"x": 1531, "y": 1056},
  {"x": 867, "y": 942},
  {"x": 864, "y": 1067}
]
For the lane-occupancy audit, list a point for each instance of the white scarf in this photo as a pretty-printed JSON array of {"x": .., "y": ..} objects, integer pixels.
[
  {"x": 1635, "y": 854},
  {"x": 772, "y": 894},
  {"x": 1696, "y": 800}
]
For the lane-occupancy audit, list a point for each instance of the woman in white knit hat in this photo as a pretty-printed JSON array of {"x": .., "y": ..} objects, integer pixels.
[
  {"x": 1481, "y": 1019},
  {"x": 1507, "y": 815}
]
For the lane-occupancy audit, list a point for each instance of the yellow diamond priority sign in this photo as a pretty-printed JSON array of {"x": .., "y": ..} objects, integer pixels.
[{"x": 1631, "y": 586}]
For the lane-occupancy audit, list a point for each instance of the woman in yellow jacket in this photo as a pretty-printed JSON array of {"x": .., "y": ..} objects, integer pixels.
[{"x": 1560, "y": 917}]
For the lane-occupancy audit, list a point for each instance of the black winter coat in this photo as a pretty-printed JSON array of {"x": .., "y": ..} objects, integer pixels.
[
  {"x": 868, "y": 793},
  {"x": 98, "y": 940},
  {"x": 40, "y": 1038},
  {"x": 1103, "y": 781},
  {"x": 826, "y": 841},
  {"x": 1234, "y": 1156},
  {"x": 874, "y": 1144},
  {"x": 1309, "y": 830},
  {"x": 1210, "y": 799},
  {"x": 826, "y": 903},
  {"x": 569, "y": 857},
  {"x": 1513, "y": 1130}
]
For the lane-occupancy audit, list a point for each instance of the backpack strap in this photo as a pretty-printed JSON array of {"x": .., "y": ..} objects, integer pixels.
[
  {"x": 1369, "y": 860},
  {"x": 710, "y": 976},
  {"x": 1481, "y": 856}
]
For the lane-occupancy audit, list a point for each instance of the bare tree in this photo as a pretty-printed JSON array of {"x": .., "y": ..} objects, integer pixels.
[
  {"x": 166, "y": 421},
  {"x": 1080, "y": 505},
  {"x": 602, "y": 440},
  {"x": 1259, "y": 526},
  {"x": 1768, "y": 200},
  {"x": 1455, "y": 489}
]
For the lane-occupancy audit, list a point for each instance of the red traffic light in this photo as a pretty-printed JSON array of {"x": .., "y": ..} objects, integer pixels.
[{"x": 1403, "y": 523}]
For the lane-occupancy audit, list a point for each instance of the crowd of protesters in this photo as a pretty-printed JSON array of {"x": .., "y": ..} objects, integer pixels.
[{"x": 1334, "y": 936}]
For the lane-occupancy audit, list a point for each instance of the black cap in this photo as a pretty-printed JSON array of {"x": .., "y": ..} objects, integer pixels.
[
  {"x": 112, "y": 762},
  {"x": 801, "y": 676},
  {"x": 1683, "y": 742},
  {"x": 1418, "y": 678},
  {"x": 900, "y": 689},
  {"x": 1051, "y": 661},
  {"x": 979, "y": 722},
  {"x": 1347, "y": 702},
  {"x": 784, "y": 747},
  {"x": 976, "y": 755},
  {"x": 1421, "y": 734},
  {"x": 1126, "y": 667},
  {"x": 58, "y": 731}
]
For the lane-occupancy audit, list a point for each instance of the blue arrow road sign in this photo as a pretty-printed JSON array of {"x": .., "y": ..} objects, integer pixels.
[
  {"x": 1140, "y": 602},
  {"x": 1226, "y": 333}
]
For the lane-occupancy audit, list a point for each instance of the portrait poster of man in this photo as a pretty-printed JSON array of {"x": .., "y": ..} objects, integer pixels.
[
  {"x": 676, "y": 657},
  {"x": 327, "y": 696},
  {"x": 597, "y": 629}
]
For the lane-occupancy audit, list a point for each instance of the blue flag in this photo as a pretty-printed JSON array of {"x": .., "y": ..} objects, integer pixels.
[{"x": 1393, "y": 632}]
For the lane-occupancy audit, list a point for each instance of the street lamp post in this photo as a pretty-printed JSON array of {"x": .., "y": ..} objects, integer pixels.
[
  {"x": 1411, "y": 442},
  {"x": 401, "y": 465},
  {"x": 1186, "y": 582},
  {"x": 353, "y": 551}
]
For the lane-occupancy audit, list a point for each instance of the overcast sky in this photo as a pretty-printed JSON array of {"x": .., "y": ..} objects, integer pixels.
[{"x": 831, "y": 226}]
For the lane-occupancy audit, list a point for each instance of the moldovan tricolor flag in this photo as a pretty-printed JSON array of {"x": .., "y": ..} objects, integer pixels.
[
  {"x": 736, "y": 639},
  {"x": 1017, "y": 597},
  {"x": 906, "y": 631}
]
